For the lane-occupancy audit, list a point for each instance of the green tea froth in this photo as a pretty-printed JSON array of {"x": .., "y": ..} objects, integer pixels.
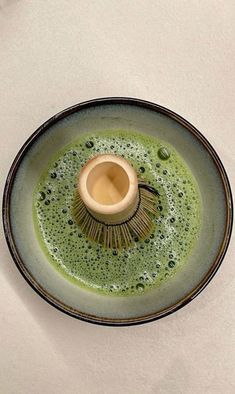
[{"x": 147, "y": 263}]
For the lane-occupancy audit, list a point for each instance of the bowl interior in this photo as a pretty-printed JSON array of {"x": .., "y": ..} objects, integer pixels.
[{"x": 51, "y": 283}]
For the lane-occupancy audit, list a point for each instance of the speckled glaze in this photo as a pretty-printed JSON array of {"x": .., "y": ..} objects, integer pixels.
[{"x": 128, "y": 114}]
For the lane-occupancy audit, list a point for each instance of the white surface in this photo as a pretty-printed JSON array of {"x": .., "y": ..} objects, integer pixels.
[{"x": 180, "y": 54}]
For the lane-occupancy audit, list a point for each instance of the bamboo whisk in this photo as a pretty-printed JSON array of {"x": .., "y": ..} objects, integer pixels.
[{"x": 110, "y": 205}]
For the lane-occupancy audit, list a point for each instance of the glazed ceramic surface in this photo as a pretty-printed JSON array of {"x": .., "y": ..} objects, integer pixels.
[{"x": 130, "y": 115}]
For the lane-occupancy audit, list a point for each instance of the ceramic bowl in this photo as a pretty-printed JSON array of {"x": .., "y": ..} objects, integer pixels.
[{"x": 129, "y": 114}]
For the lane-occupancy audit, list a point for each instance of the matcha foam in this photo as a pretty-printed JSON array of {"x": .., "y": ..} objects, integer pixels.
[{"x": 147, "y": 263}]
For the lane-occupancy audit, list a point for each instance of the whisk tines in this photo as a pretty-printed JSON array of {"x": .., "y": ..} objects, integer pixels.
[{"x": 119, "y": 235}]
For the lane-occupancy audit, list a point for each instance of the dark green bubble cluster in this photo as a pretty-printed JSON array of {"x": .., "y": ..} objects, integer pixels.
[{"x": 147, "y": 263}]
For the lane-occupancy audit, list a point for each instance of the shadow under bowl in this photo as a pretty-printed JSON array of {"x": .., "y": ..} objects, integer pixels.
[{"x": 129, "y": 114}]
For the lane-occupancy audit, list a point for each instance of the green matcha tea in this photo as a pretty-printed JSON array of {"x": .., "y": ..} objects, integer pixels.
[{"x": 147, "y": 263}]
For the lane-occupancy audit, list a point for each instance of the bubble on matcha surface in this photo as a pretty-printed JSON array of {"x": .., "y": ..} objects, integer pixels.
[
  {"x": 108, "y": 271},
  {"x": 163, "y": 153}
]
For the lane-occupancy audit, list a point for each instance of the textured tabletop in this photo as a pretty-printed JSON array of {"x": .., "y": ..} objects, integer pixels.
[{"x": 177, "y": 53}]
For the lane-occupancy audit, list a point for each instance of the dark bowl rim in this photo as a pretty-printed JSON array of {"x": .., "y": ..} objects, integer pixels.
[{"x": 32, "y": 281}]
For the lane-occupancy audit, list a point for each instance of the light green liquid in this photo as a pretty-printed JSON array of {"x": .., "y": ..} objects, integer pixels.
[{"x": 146, "y": 263}]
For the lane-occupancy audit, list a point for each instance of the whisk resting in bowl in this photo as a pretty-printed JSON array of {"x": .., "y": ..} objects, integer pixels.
[{"x": 111, "y": 205}]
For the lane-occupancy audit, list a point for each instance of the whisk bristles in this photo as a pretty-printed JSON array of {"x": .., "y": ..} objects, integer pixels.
[{"x": 120, "y": 235}]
